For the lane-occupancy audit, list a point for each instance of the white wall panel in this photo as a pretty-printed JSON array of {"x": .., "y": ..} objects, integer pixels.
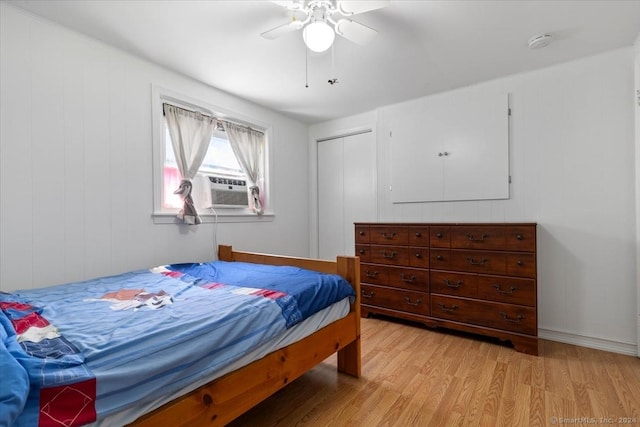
[
  {"x": 97, "y": 162},
  {"x": 76, "y": 162},
  {"x": 117, "y": 120},
  {"x": 74, "y": 220},
  {"x": 16, "y": 169},
  {"x": 47, "y": 159}
]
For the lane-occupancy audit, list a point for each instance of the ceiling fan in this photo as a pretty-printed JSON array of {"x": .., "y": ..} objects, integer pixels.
[{"x": 321, "y": 20}]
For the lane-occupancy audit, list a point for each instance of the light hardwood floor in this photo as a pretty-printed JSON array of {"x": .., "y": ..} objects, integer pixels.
[{"x": 414, "y": 376}]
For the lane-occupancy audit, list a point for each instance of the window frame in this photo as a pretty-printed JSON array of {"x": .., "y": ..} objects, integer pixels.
[{"x": 162, "y": 215}]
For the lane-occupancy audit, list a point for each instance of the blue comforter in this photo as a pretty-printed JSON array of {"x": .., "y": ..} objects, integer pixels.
[
  {"x": 297, "y": 302},
  {"x": 92, "y": 348}
]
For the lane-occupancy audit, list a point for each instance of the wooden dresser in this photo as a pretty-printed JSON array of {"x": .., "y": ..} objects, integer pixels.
[{"x": 478, "y": 278}]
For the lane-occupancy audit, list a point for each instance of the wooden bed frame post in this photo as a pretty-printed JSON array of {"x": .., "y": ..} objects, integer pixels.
[
  {"x": 349, "y": 357},
  {"x": 225, "y": 253}
]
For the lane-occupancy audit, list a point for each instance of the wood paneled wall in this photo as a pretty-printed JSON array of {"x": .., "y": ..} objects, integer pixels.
[{"x": 76, "y": 162}]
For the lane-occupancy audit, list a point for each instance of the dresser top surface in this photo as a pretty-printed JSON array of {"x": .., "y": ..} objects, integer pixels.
[{"x": 439, "y": 224}]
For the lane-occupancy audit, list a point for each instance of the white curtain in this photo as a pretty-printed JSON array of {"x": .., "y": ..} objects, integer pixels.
[
  {"x": 248, "y": 146},
  {"x": 190, "y": 136}
]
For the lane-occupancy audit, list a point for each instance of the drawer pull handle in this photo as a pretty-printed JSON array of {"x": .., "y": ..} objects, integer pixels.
[
  {"x": 415, "y": 304},
  {"x": 439, "y": 235},
  {"x": 519, "y": 318},
  {"x": 483, "y": 261},
  {"x": 456, "y": 285},
  {"x": 448, "y": 309},
  {"x": 362, "y": 233},
  {"x": 361, "y": 251},
  {"x": 393, "y": 254},
  {"x": 372, "y": 274},
  {"x": 389, "y": 236},
  {"x": 519, "y": 237},
  {"x": 418, "y": 255},
  {"x": 408, "y": 280},
  {"x": 520, "y": 262},
  {"x": 473, "y": 239},
  {"x": 418, "y": 235},
  {"x": 502, "y": 291},
  {"x": 439, "y": 257},
  {"x": 368, "y": 295}
]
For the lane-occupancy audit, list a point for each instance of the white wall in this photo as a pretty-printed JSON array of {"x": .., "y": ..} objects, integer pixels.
[
  {"x": 572, "y": 168},
  {"x": 75, "y": 162}
]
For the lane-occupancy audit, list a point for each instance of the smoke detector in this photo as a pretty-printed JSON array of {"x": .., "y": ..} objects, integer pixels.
[{"x": 540, "y": 41}]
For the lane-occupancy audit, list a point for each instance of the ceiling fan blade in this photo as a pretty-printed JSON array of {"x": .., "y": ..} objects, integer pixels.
[
  {"x": 354, "y": 31},
  {"x": 352, "y": 7},
  {"x": 280, "y": 30},
  {"x": 289, "y": 4}
]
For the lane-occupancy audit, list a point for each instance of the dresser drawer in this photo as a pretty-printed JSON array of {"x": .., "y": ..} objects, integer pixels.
[
  {"x": 479, "y": 261},
  {"x": 418, "y": 236},
  {"x": 507, "y": 317},
  {"x": 374, "y": 273},
  {"x": 482, "y": 237},
  {"x": 440, "y": 237},
  {"x": 395, "y": 255},
  {"x": 362, "y": 234},
  {"x": 520, "y": 238},
  {"x": 440, "y": 259},
  {"x": 521, "y": 264},
  {"x": 409, "y": 278},
  {"x": 363, "y": 252},
  {"x": 389, "y": 235},
  {"x": 419, "y": 257},
  {"x": 444, "y": 282},
  {"x": 395, "y": 299},
  {"x": 507, "y": 289}
]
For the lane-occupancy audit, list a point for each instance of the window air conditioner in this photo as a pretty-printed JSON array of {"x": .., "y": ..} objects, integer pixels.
[{"x": 228, "y": 192}]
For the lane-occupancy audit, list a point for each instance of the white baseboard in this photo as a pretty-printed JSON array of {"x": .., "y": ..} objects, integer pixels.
[{"x": 597, "y": 343}]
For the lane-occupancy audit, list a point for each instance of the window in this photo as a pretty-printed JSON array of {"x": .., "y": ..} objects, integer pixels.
[
  {"x": 219, "y": 161},
  {"x": 220, "y": 165}
]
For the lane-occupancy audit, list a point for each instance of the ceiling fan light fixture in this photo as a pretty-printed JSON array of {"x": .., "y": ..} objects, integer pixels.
[{"x": 318, "y": 36}]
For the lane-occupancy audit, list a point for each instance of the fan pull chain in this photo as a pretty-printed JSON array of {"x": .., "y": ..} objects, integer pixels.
[
  {"x": 333, "y": 67},
  {"x": 306, "y": 67}
]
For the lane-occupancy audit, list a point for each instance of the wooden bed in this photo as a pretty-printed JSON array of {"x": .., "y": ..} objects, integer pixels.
[{"x": 228, "y": 397}]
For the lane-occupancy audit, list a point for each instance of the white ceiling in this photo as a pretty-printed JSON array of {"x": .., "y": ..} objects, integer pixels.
[{"x": 423, "y": 47}]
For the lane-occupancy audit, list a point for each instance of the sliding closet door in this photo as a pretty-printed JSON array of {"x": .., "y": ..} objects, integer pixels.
[
  {"x": 330, "y": 198},
  {"x": 346, "y": 191}
]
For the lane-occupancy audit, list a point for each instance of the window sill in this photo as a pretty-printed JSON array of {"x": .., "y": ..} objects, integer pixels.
[{"x": 224, "y": 215}]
